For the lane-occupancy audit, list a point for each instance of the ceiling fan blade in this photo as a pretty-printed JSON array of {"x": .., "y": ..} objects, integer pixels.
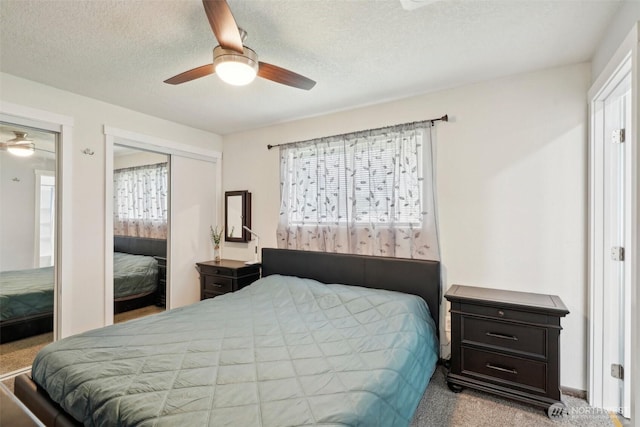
[
  {"x": 223, "y": 24},
  {"x": 193, "y": 74},
  {"x": 283, "y": 76}
]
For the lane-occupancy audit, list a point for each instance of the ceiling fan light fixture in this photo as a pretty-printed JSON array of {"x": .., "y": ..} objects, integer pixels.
[
  {"x": 238, "y": 69},
  {"x": 20, "y": 145},
  {"x": 21, "y": 150}
]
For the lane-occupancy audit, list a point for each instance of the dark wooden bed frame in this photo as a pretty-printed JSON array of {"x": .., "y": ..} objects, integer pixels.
[
  {"x": 411, "y": 276},
  {"x": 23, "y": 327},
  {"x": 416, "y": 277}
]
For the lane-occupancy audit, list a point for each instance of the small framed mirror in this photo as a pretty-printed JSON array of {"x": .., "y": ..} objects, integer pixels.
[{"x": 237, "y": 215}]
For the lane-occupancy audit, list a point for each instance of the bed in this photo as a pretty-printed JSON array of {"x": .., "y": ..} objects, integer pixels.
[
  {"x": 133, "y": 275},
  {"x": 26, "y": 296},
  {"x": 136, "y": 276},
  {"x": 286, "y": 350},
  {"x": 26, "y": 303}
]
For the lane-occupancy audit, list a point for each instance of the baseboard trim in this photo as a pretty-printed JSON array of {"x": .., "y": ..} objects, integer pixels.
[
  {"x": 574, "y": 392},
  {"x": 569, "y": 391}
]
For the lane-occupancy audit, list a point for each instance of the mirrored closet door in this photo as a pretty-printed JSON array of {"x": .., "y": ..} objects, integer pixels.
[
  {"x": 140, "y": 230},
  {"x": 28, "y": 234}
]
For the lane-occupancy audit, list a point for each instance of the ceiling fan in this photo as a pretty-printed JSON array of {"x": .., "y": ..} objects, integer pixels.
[
  {"x": 20, "y": 145},
  {"x": 235, "y": 63}
]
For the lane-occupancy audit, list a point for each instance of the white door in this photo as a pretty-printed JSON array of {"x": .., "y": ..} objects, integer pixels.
[
  {"x": 193, "y": 209},
  {"x": 616, "y": 278}
]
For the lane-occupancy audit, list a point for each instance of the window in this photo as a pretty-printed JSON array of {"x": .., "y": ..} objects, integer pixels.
[
  {"x": 362, "y": 182},
  {"x": 359, "y": 193},
  {"x": 45, "y": 217},
  {"x": 140, "y": 201}
]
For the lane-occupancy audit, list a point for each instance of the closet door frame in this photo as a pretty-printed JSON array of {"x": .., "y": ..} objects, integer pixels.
[
  {"x": 63, "y": 125},
  {"x": 116, "y": 136}
]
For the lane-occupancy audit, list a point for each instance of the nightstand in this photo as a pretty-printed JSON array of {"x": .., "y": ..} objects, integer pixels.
[
  {"x": 161, "y": 299},
  {"x": 217, "y": 278},
  {"x": 506, "y": 343}
]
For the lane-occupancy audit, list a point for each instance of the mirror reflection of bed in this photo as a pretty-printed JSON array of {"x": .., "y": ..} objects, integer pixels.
[
  {"x": 27, "y": 245},
  {"x": 141, "y": 194}
]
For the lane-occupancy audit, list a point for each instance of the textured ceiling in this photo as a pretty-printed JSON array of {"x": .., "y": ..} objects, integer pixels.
[{"x": 359, "y": 52}]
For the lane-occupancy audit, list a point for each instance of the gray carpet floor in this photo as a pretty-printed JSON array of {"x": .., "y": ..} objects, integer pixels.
[{"x": 440, "y": 407}]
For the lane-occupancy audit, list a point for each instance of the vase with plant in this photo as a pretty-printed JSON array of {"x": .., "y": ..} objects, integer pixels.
[{"x": 216, "y": 236}]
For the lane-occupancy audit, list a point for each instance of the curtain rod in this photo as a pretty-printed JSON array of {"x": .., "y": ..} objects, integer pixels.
[{"x": 444, "y": 118}]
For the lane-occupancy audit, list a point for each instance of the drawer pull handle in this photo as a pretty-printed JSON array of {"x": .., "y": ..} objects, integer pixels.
[
  {"x": 498, "y": 368},
  {"x": 502, "y": 336},
  {"x": 500, "y": 313},
  {"x": 217, "y": 285}
]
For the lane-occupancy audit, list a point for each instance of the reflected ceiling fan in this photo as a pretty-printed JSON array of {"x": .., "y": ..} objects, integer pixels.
[
  {"x": 235, "y": 63},
  {"x": 20, "y": 145}
]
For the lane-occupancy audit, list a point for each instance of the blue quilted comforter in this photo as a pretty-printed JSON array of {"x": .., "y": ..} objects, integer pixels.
[
  {"x": 26, "y": 292},
  {"x": 134, "y": 275},
  {"x": 282, "y": 352}
]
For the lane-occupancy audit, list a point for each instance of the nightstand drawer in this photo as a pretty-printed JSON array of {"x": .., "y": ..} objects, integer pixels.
[
  {"x": 504, "y": 313},
  {"x": 500, "y": 368},
  {"x": 508, "y": 336},
  {"x": 217, "y": 284},
  {"x": 220, "y": 277},
  {"x": 216, "y": 270}
]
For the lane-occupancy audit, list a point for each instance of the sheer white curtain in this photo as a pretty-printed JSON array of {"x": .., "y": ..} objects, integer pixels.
[
  {"x": 369, "y": 193},
  {"x": 140, "y": 201}
]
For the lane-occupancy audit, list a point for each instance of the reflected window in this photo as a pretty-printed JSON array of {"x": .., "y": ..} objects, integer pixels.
[
  {"x": 45, "y": 216},
  {"x": 140, "y": 201}
]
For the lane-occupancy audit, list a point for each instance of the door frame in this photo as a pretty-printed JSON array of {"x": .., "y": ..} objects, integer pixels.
[
  {"x": 115, "y": 136},
  {"x": 624, "y": 61}
]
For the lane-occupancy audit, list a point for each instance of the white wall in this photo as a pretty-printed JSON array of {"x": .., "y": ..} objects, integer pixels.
[
  {"x": 17, "y": 219},
  {"x": 511, "y": 174},
  {"x": 140, "y": 158},
  {"x": 83, "y": 295}
]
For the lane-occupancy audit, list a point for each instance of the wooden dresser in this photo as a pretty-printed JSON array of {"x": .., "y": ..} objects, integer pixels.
[
  {"x": 217, "y": 278},
  {"x": 506, "y": 343}
]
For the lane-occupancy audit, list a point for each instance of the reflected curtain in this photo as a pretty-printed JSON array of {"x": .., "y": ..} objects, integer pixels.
[
  {"x": 140, "y": 201},
  {"x": 369, "y": 193}
]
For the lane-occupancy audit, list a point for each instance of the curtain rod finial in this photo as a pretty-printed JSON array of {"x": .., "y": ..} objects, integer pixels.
[{"x": 445, "y": 118}]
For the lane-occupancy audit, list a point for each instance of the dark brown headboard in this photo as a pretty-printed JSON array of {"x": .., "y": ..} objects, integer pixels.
[
  {"x": 411, "y": 276},
  {"x": 140, "y": 246}
]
